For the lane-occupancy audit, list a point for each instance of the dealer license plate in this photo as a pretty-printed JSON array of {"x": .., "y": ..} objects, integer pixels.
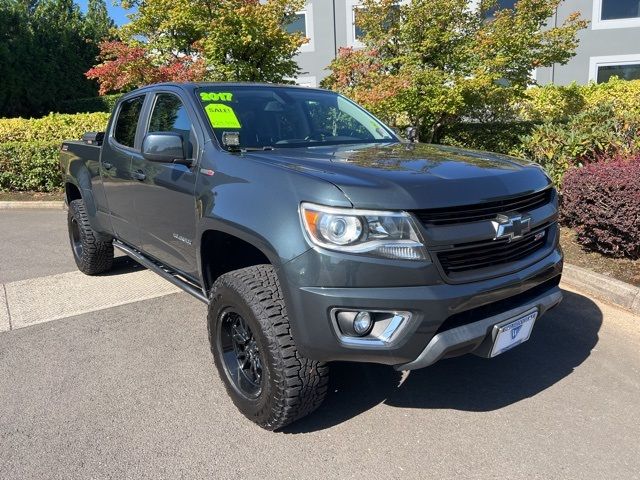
[{"x": 513, "y": 332}]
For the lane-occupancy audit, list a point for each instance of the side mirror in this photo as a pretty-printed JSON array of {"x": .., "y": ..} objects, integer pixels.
[
  {"x": 164, "y": 147},
  {"x": 412, "y": 134}
]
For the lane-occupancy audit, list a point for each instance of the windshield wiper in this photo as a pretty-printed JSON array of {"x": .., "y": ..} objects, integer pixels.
[{"x": 249, "y": 149}]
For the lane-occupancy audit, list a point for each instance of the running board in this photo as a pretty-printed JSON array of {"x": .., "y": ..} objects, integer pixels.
[{"x": 162, "y": 270}]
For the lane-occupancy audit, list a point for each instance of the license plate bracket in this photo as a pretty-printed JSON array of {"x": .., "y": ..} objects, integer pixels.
[{"x": 513, "y": 332}]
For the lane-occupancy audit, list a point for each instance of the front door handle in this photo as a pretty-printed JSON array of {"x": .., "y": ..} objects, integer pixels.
[
  {"x": 139, "y": 175},
  {"x": 107, "y": 165}
]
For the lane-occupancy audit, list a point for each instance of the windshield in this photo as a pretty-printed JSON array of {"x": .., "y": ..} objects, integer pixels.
[{"x": 264, "y": 117}]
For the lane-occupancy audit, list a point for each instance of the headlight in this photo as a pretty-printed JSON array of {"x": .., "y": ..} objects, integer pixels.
[{"x": 382, "y": 234}]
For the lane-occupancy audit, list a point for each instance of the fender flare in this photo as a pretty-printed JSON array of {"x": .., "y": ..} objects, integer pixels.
[
  {"x": 209, "y": 224},
  {"x": 86, "y": 194}
]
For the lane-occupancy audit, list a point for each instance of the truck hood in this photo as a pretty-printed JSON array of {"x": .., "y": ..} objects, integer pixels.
[{"x": 412, "y": 176}]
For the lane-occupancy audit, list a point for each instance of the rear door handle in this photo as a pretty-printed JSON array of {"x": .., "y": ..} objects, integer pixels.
[
  {"x": 107, "y": 165},
  {"x": 139, "y": 175}
]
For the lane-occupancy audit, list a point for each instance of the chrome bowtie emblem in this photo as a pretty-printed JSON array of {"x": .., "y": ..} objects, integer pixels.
[{"x": 511, "y": 226}]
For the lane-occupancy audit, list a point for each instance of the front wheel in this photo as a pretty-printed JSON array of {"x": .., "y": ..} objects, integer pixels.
[{"x": 265, "y": 375}]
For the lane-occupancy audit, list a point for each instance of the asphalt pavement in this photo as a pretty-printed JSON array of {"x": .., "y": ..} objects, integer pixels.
[
  {"x": 33, "y": 243},
  {"x": 130, "y": 391}
]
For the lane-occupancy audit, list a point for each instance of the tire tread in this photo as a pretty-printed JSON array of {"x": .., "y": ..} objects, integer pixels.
[
  {"x": 300, "y": 383},
  {"x": 97, "y": 255}
]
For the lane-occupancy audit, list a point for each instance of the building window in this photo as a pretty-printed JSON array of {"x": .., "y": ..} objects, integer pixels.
[
  {"x": 355, "y": 33},
  {"x": 500, "y": 5},
  {"x": 630, "y": 71},
  {"x": 358, "y": 32},
  {"x": 297, "y": 24},
  {"x": 302, "y": 22},
  {"x": 617, "y": 9},
  {"x": 626, "y": 67},
  {"x": 615, "y": 14}
]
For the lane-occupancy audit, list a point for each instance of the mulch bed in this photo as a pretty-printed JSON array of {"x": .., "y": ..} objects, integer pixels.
[
  {"x": 30, "y": 196},
  {"x": 619, "y": 268}
]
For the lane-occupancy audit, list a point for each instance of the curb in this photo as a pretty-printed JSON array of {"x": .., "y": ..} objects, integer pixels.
[
  {"x": 52, "y": 204},
  {"x": 605, "y": 288}
]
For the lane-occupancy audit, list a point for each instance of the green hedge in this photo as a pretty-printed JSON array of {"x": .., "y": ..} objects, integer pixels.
[
  {"x": 597, "y": 134},
  {"x": 91, "y": 104},
  {"x": 30, "y": 166},
  {"x": 54, "y": 126},
  {"x": 581, "y": 124},
  {"x": 30, "y": 148},
  {"x": 562, "y": 126},
  {"x": 493, "y": 137}
]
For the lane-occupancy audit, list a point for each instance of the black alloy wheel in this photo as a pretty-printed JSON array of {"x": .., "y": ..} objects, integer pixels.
[
  {"x": 240, "y": 353},
  {"x": 74, "y": 236},
  {"x": 253, "y": 348}
]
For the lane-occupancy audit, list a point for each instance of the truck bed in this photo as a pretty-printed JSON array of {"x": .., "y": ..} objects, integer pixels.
[{"x": 72, "y": 149}]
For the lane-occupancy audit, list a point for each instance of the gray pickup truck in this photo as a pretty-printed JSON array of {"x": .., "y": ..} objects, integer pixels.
[{"x": 313, "y": 233}]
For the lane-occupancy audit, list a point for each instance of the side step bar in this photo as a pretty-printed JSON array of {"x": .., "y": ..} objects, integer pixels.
[{"x": 162, "y": 270}]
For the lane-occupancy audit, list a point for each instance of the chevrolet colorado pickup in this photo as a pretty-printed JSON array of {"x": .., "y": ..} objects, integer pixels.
[{"x": 313, "y": 233}]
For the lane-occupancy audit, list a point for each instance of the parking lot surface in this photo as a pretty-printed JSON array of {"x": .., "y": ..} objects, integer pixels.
[{"x": 130, "y": 391}]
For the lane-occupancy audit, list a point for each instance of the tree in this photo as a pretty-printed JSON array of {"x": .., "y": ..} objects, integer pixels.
[
  {"x": 432, "y": 62},
  {"x": 230, "y": 40},
  {"x": 45, "y": 48},
  {"x": 98, "y": 25},
  {"x": 126, "y": 66}
]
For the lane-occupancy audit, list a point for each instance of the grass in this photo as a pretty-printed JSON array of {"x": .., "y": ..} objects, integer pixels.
[{"x": 620, "y": 268}]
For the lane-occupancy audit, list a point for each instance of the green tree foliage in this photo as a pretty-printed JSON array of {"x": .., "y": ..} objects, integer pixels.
[
  {"x": 581, "y": 124},
  {"x": 230, "y": 40},
  {"x": 432, "y": 62},
  {"x": 45, "y": 48},
  {"x": 97, "y": 22}
]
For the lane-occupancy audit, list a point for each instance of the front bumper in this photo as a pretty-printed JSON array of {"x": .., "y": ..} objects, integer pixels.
[
  {"x": 446, "y": 319},
  {"x": 477, "y": 337}
]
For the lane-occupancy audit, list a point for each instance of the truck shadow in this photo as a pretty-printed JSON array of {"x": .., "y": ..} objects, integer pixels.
[
  {"x": 560, "y": 342},
  {"x": 122, "y": 265}
]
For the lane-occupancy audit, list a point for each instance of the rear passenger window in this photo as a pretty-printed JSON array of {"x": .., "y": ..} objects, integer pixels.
[
  {"x": 170, "y": 115},
  {"x": 125, "y": 130}
]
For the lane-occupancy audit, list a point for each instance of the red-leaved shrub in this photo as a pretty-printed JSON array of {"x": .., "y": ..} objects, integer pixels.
[{"x": 601, "y": 202}]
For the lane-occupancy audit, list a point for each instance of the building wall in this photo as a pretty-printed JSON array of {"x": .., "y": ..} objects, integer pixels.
[
  {"x": 332, "y": 29},
  {"x": 609, "y": 42},
  {"x": 601, "y": 43}
]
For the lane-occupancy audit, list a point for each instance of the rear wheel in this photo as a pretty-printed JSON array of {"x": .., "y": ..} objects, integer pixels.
[
  {"x": 92, "y": 255},
  {"x": 265, "y": 375}
]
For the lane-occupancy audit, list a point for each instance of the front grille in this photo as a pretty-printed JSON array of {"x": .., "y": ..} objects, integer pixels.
[
  {"x": 483, "y": 211},
  {"x": 488, "y": 254}
]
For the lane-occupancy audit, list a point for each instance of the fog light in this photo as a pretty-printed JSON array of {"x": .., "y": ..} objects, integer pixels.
[{"x": 362, "y": 323}]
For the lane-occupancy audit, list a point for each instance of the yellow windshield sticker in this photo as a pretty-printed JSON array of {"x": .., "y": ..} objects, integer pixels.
[
  {"x": 222, "y": 116},
  {"x": 216, "y": 97}
]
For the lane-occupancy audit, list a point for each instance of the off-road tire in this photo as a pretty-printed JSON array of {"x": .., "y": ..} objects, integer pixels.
[
  {"x": 95, "y": 256},
  {"x": 291, "y": 386}
]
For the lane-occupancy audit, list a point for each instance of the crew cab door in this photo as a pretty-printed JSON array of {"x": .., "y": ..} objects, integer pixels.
[
  {"x": 164, "y": 200},
  {"x": 121, "y": 145}
]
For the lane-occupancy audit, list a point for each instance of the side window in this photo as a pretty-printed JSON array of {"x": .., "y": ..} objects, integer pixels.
[
  {"x": 170, "y": 115},
  {"x": 127, "y": 122}
]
